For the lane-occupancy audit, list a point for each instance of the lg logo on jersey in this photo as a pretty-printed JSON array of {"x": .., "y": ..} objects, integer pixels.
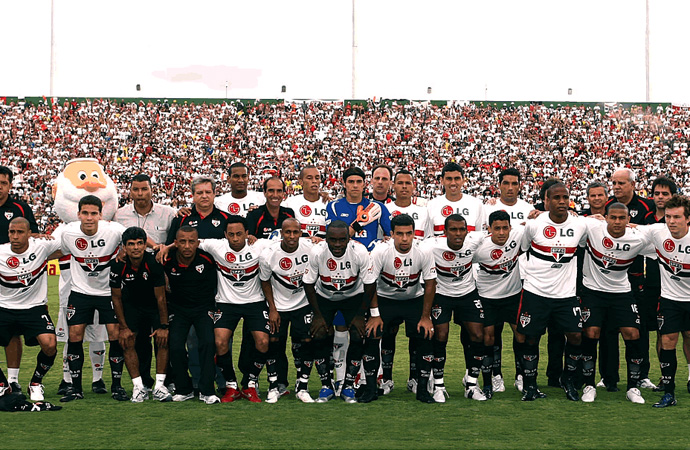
[
  {"x": 81, "y": 243},
  {"x": 551, "y": 232},
  {"x": 332, "y": 265},
  {"x": 448, "y": 210}
]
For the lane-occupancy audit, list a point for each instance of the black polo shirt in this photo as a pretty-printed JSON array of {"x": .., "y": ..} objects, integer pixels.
[
  {"x": 262, "y": 223},
  {"x": 638, "y": 208},
  {"x": 138, "y": 284},
  {"x": 652, "y": 275},
  {"x": 193, "y": 286},
  {"x": 209, "y": 227},
  {"x": 12, "y": 208}
]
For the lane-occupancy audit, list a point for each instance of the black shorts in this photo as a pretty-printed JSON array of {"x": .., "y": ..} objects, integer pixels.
[
  {"x": 255, "y": 316},
  {"x": 536, "y": 313},
  {"x": 299, "y": 322},
  {"x": 80, "y": 309},
  {"x": 28, "y": 322},
  {"x": 349, "y": 307},
  {"x": 500, "y": 310},
  {"x": 466, "y": 308},
  {"x": 395, "y": 312},
  {"x": 614, "y": 310},
  {"x": 141, "y": 319},
  {"x": 673, "y": 316}
]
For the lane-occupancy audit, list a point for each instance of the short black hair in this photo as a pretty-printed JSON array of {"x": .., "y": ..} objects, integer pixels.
[
  {"x": 141, "y": 177},
  {"x": 454, "y": 218},
  {"x": 310, "y": 166},
  {"x": 498, "y": 215},
  {"x": 338, "y": 224},
  {"x": 401, "y": 220},
  {"x": 403, "y": 172},
  {"x": 133, "y": 234},
  {"x": 665, "y": 181},
  {"x": 273, "y": 178},
  {"x": 235, "y": 165},
  {"x": 511, "y": 172},
  {"x": 546, "y": 185},
  {"x": 4, "y": 170},
  {"x": 554, "y": 186},
  {"x": 186, "y": 229},
  {"x": 91, "y": 200},
  {"x": 353, "y": 171},
  {"x": 233, "y": 218},
  {"x": 452, "y": 167},
  {"x": 616, "y": 205}
]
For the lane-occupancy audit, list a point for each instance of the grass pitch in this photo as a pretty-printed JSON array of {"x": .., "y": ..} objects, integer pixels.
[{"x": 395, "y": 421}]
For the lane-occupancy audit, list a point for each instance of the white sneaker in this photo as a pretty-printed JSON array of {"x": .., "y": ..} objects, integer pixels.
[
  {"x": 5, "y": 389},
  {"x": 139, "y": 395},
  {"x": 634, "y": 396},
  {"x": 412, "y": 385},
  {"x": 464, "y": 379},
  {"x": 387, "y": 386},
  {"x": 497, "y": 383},
  {"x": 162, "y": 394},
  {"x": 475, "y": 393},
  {"x": 209, "y": 399},
  {"x": 183, "y": 397},
  {"x": 601, "y": 383},
  {"x": 589, "y": 393},
  {"x": 519, "y": 383},
  {"x": 646, "y": 383},
  {"x": 273, "y": 395},
  {"x": 35, "y": 392},
  {"x": 440, "y": 394},
  {"x": 303, "y": 396}
]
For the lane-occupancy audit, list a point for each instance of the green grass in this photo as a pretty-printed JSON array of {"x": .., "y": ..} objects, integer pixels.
[{"x": 395, "y": 421}]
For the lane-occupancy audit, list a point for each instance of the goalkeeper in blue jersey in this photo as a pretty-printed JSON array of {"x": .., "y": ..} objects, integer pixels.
[{"x": 364, "y": 216}]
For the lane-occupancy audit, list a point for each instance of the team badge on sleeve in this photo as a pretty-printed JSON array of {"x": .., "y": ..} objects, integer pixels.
[{"x": 200, "y": 268}]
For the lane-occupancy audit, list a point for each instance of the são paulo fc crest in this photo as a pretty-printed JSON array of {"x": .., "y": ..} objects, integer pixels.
[
  {"x": 607, "y": 243},
  {"x": 675, "y": 266},
  {"x": 305, "y": 210},
  {"x": 81, "y": 244},
  {"x": 285, "y": 263},
  {"x": 215, "y": 222},
  {"x": 9, "y": 215},
  {"x": 557, "y": 253},
  {"x": 607, "y": 261},
  {"x": 215, "y": 316},
  {"x": 311, "y": 230},
  {"x": 70, "y": 312},
  {"x": 436, "y": 312},
  {"x": 338, "y": 283},
  {"x": 633, "y": 213},
  {"x": 402, "y": 280},
  {"x": 234, "y": 208},
  {"x": 525, "y": 319},
  {"x": 585, "y": 313},
  {"x": 549, "y": 232},
  {"x": 91, "y": 263},
  {"x": 669, "y": 245},
  {"x": 12, "y": 262},
  {"x": 200, "y": 268},
  {"x": 145, "y": 276},
  {"x": 24, "y": 279}
]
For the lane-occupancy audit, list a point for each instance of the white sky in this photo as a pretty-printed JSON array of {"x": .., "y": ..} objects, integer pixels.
[{"x": 470, "y": 50}]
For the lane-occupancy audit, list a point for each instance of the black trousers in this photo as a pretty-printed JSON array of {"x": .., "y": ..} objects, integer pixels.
[{"x": 182, "y": 321}]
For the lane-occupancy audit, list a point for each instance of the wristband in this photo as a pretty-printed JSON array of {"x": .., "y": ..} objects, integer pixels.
[
  {"x": 356, "y": 226},
  {"x": 164, "y": 326},
  {"x": 374, "y": 312}
]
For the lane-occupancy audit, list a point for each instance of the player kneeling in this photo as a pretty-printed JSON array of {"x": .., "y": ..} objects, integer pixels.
[{"x": 138, "y": 289}]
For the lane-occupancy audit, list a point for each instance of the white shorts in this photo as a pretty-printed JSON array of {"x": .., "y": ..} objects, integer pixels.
[{"x": 93, "y": 333}]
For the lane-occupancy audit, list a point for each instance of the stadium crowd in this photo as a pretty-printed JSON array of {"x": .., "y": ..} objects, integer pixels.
[{"x": 174, "y": 141}]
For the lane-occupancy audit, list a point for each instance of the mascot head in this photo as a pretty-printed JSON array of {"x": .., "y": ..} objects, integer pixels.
[{"x": 83, "y": 176}]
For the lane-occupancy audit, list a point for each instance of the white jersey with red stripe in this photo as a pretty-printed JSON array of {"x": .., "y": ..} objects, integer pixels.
[
  {"x": 608, "y": 258},
  {"x": 454, "y": 274},
  {"x": 285, "y": 272},
  {"x": 518, "y": 212},
  {"x": 91, "y": 256},
  {"x": 551, "y": 268},
  {"x": 420, "y": 215},
  {"x": 338, "y": 278},
  {"x": 499, "y": 266},
  {"x": 399, "y": 276},
  {"x": 65, "y": 281},
  {"x": 471, "y": 208},
  {"x": 674, "y": 261},
  {"x": 238, "y": 272},
  {"x": 311, "y": 215},
  {"x": 23, "y": 276},
  {"x": 239, "y": 206}
]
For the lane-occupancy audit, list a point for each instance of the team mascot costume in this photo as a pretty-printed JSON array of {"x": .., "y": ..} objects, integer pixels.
[{"x": 81, "y": 177}]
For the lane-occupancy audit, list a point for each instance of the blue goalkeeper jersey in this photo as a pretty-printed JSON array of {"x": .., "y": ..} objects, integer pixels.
[{"x": 343, "y": 210}]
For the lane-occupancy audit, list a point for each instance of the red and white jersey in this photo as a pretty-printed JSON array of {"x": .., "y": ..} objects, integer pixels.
[
  {"x": 674, "y": 261},
  {"x": 471, "y": 208},
  {"x": 551, "y": 268},
  {"x": 499, "y": 266},
  {"x": 23, "y": 277},
  {"x": 311, "y": 215},
  {"x": 518, "y": 212},
  {"x": 65, "y": 281},
  {"x": 239, "y": 206},
  {"x": 238, "y": 272},
  {"x": 420, "y": 215},
  {"x": 91, "y": 256},
  {"x": 338, "y": 278},
  {"x": 399, "y": 276},
  {"x": 285, "y": 272},
  {"x": 454, "y": 274},
  {"x": 607, "y": 258}
]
